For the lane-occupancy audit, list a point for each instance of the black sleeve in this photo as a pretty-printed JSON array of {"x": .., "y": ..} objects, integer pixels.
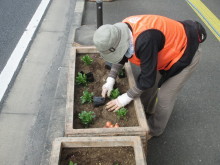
[{"x": 147, "y": 46}]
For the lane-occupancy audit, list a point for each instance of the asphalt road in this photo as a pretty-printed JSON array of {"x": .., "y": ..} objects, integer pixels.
[
  {"x": 213, "y": 5},
  {"x": 14, "y": 18}
]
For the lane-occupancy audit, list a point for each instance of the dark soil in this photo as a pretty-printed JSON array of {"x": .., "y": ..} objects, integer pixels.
[
  {"x": 98, "y": 156},
  {"x": 102, "y": 115}
]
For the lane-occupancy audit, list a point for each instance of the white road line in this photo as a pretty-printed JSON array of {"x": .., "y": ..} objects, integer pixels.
[{"x": 16, "y": 56}]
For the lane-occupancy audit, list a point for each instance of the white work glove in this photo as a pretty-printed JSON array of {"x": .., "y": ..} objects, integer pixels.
[
  {"x": 118, "y": 103},
  {"x": 108, "y": 86}
]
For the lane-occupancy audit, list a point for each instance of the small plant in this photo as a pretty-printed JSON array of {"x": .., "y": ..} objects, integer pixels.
[
  {"x": 86, "y": 118},
  {"x": 87, "y": 60},
  {"x": 81, "y": 79},
  {"x": 116, "y": 163},
  {"x": 71, "y": 163},
  {"x": 121, "y": 113},
  {"x": 121, "y": 73},
  {"x": 114, "y": 93},
  {"x": 87, "y": 97}
]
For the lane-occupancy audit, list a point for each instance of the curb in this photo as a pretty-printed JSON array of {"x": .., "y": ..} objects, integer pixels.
[{"x": 57, "y": 117}]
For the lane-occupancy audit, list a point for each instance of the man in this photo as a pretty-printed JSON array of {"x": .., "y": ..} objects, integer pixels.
[{"x": 160, "y": 47}]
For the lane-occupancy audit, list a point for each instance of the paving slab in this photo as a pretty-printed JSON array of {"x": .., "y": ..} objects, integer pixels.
[
  {"x": 58, "y": 23},
  {"x": 84, "y": 35},
  {"x": 13, "y": 128}
]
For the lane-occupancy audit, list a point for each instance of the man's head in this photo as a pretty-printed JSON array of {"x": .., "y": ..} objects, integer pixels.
[{"x": 112, "y": 41}]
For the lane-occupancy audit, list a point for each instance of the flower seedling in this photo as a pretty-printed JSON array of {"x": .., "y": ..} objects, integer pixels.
[
  {"x": 81, "y": 79},
  {"x": 86, "y": 118},
  {"x": 116, "y": 163},
  {"x": 71, "y": 163},
  {"x": 114, "y": 93},
  {"x": 87, "y": 97},
  {"x": 87, "y": 60},
  {"x": 121, "y": 113},
  {"x": 122, "y": 74}
]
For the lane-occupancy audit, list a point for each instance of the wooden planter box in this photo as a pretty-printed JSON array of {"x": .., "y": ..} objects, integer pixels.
[
  {"x": 101, "y": 142},
  {"x": 140, "y": 130}
]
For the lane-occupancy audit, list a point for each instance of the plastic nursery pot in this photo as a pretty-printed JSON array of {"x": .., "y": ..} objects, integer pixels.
[
  {"x": 122, "y": 73},
  {"x": 90, "y": 77},
  {"x": 108, "y": 65},
  {"x": 98, "y": 101}
]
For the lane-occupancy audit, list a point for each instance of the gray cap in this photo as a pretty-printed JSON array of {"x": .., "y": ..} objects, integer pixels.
[{"x": 112, "y": 41}]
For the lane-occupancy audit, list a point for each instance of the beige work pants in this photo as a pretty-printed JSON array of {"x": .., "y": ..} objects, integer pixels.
[{"x": 160, "y": 102}]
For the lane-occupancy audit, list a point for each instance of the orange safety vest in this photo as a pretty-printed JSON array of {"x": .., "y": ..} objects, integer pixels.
[{"x": 175, "y": 38}]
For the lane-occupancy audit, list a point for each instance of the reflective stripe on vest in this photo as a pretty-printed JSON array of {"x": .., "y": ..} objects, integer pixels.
[{"x": 175, "y": 37}]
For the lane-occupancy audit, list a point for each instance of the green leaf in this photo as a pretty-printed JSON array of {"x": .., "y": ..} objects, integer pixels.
[
  {"x": 114, "y": 93},
  {"x": 121, "y": 113},
  {"x": 87, "y": 97},
  {"x": 86, "y": 118},
  {"x": 71, "y": 163},
  {"x": 81, "y": 79},
  {"x": 87, "y": 60},
  {"x": 121, "y": 73}
]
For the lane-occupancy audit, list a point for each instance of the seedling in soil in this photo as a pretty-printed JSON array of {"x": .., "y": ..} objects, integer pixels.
[
  {"x": 87, "y": 60},
  {"x": 89, "y": 76},
  {"x": 71, "y": 163},
  {"x": 81, "y": 79},
  {"x": 114, "y": 93},
  {"x": 86, "y": 97},
  {"x": 122, "y": 73},
  {"x": 116, "y": 164},
  {"x": 86, "y": 118},
  {"x": 121, "y": 113}
]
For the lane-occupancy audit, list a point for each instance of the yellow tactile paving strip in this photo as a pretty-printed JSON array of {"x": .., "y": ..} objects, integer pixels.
[{"x": 211, "y": 21}]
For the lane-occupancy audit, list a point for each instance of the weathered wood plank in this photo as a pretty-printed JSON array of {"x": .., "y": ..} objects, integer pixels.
[{"x": 86, "y": 49}]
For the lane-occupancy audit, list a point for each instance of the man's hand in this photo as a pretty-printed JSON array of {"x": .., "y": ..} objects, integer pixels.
[
  {"x": 108, "y": 86},
  {"x": 118, "y": 103}
]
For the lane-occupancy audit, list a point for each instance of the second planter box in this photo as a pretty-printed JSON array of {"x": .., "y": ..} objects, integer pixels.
[{"x": 98, "y": 150}]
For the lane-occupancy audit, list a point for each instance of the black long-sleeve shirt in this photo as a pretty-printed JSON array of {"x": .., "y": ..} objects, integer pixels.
[{"x": 147, "y": 46}]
